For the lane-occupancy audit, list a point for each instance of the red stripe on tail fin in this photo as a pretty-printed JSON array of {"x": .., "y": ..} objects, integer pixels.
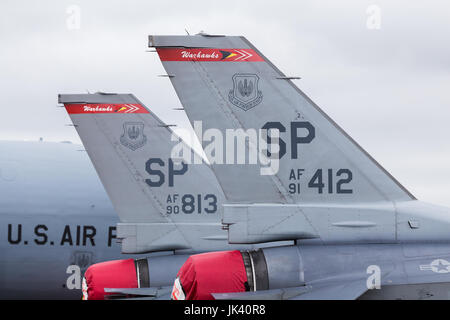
[
  {"x": 208, "y": 54},
  {"x": 104, "y": 108}
]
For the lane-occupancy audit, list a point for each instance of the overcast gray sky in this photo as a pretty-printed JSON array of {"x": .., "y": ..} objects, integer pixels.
[{"x": 388, "y": 87}]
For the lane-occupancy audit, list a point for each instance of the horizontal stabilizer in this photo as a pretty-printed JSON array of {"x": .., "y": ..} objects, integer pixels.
[
  {"x": 345, "y": 290},
  {"x": 336, "y": 291},
  {"x": 274, "y": 294},
  {"x": 152, "y": 293}
]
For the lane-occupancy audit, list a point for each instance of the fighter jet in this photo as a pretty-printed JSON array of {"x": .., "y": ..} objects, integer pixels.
[
  {"x": 286, "y": 172},
  {"x": 57, "y": 219},
  {"x": 164, "y": 203}
]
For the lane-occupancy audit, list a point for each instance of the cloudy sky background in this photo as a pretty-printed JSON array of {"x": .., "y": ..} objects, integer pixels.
[{"x": 389, "y": 88}]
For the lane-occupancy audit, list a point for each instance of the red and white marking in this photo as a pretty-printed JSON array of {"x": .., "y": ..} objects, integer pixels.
[
  {"x": 208, "y": 54},
  {"x": 79, "y": 108}
]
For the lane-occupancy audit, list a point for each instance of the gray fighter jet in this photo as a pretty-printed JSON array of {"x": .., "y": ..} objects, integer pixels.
[
  {"x": 355, "y": 227},
  {"x": 57, "y": 219},
  {"x": 164, "y": 204},
  {"x": 332, "y": 222}
]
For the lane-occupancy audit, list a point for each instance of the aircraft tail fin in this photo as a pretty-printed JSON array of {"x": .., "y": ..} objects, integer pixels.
[
  {"x": 225, "y": 83},
  {"x": 163, "y": 204}
]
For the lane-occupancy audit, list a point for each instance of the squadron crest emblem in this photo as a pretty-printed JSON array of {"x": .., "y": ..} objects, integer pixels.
[
  {"x": 133, "y": 136},
  {"x": 245, "y": 93}
]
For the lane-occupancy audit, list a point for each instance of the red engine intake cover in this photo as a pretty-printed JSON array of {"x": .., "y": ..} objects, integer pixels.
[
  {"x": 109, "y": 274},
  {"x": 212, "y": 272}
]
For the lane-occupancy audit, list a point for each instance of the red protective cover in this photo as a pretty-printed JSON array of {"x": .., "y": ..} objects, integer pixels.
[
  {"x": 109, "y": 274},
  {"x": 212, "y": 272}
]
